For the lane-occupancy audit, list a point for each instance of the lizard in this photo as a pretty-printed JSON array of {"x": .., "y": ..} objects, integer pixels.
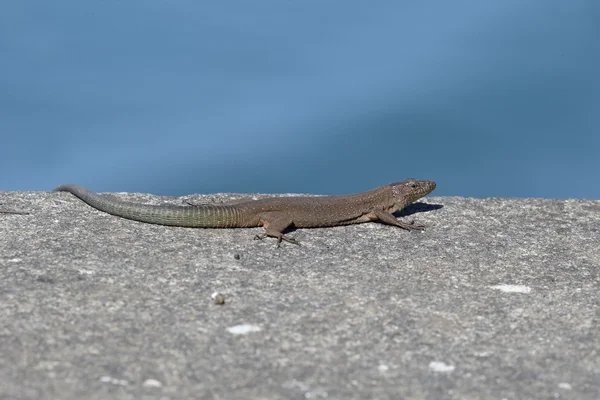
[{"x": 275, "y": 214}]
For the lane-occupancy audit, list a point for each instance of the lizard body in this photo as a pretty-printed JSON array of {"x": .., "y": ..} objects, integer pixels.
[{"x": 275, "y": 214}]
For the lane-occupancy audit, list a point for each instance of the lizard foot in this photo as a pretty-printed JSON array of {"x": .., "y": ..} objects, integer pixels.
[
  {"x": 280, "y": 237},
  {"x": 411, "y": 226}
]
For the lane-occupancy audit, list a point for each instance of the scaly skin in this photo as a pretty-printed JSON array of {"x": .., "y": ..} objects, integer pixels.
[{"x": 275, "y": 214}]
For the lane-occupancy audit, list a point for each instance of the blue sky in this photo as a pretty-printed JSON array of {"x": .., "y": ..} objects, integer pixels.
[{"x": 487, "y": 98}]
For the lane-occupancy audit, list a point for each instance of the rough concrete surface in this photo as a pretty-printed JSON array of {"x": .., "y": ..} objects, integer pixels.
[{"x": 497, "y": 299}]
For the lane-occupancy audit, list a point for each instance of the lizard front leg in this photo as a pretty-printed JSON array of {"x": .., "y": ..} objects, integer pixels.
[
  {"x": 389, "y": 219},
  {"x": 275, "y": 223}
]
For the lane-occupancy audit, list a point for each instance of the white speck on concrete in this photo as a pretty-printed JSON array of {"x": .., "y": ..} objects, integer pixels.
[
  {"x": 152, "y": 383},
  {"x": 315, "y": 394},
  {"x": 243, "y": 329},
  {"x": 438, "y": 366},
  {"x": 86, "y": 272},
  {"x": 108, "y": 379},
  {"x": 512, "y": 288},
  {"x": 565, "y": 385},
  {"x": 383, "y": 368},
  {"x": 14, "y": 260}
]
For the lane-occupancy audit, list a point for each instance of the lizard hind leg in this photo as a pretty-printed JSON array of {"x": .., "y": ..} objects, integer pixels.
[{"x": 275, "y": 224}]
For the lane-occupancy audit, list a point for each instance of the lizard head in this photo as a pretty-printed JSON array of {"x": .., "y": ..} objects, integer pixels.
[{"x": 410, "y": 190}]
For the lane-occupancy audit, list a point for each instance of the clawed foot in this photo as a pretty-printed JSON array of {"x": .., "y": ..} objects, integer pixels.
[
  {"x": 279, "y": 239},
  {"x": 411, "y": 226}
]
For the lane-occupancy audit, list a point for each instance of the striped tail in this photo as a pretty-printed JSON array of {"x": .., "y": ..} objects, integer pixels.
[{"x": 204, "y": 216}]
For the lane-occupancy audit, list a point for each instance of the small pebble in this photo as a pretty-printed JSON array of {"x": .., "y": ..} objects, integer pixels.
[{"x": 218, "y": 298}]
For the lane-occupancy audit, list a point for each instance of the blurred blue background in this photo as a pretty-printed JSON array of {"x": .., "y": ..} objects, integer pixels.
[{"x": 487, "y": 98}]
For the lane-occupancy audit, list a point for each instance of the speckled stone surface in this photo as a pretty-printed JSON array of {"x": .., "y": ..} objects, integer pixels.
[{"x": 498, "y": 298}]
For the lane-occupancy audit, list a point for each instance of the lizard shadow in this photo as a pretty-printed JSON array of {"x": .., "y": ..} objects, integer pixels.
[{"x": 417, "y": 208}]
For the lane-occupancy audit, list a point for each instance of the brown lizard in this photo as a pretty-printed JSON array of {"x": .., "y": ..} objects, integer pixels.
[{"x": 275, "y": 214}]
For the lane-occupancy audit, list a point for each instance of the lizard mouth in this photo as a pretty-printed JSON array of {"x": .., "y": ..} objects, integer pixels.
[{"x": 428, "y": 187}]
